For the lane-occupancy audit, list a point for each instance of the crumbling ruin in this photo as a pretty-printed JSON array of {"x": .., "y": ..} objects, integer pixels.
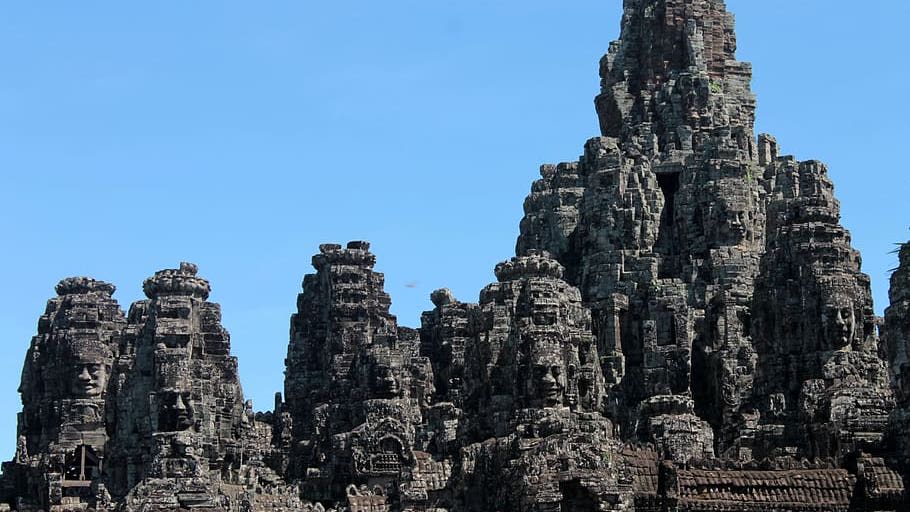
[{"x": 685, "y": 326}]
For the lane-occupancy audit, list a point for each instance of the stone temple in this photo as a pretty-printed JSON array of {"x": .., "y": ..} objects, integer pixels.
[{"x": 685, "y": 326}]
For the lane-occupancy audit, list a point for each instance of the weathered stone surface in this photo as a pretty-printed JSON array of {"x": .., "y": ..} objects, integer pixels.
[
  {"x": 356, "y": 388},
  {"x": 669, "y": 212},
  {"x": 821, "y": 386},
  {"x": 897, "y": 341},
  {"x": 62, "y": 437},
  {"x": 178, "y": 398},
  {"x": 141, "y": 413},
  {"x": 447, "y": 333},
  {"x": 685, "y": 326},
  {"x": 550, "y": 449}
]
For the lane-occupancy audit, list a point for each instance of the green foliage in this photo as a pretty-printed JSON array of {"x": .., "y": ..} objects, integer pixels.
[{"x": 716, "y": 88}]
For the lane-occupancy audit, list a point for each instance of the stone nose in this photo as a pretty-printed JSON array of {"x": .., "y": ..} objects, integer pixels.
[
  {"x": 839, "y": 319},
  {"x": 85, "y": 376}
]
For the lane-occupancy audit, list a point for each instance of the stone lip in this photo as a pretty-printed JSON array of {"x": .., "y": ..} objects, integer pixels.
[
  {"x": 177, "y": 282},
  {"x": 82, "y": 285}
]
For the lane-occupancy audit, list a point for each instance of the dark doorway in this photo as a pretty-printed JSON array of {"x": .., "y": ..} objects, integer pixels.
[
  {"x": 81, "y": 466},
  {"x": 575, "y": 498},
  {"x": 667, "y": 242}
]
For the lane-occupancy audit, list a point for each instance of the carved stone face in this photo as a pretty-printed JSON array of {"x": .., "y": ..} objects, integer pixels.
[
  {"x": 548, "y": 379},
  {"x": 544, "y": 316},
  {"x": 175, "y": 412},
  {"x": 89, "y": 379},
  {"x": 838, "y": 324},
  {"x": 386, "y": 381},
  {"x": 542, "y": 305},
  {"x": 734, "y": 225}
]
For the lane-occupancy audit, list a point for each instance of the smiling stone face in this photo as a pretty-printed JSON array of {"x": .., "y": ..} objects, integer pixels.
[
  {"x": 90, "y": 379},
  {"x": 386, "y": 381},
  {"x": 545, "y": 373},
  {"x": 175, "y": 412},
  {"x": 736, "y": 226},
  {"x": 840, "y": 309},
  {"x": 382, "y": 373},
  {"x": 838, "y": 323},
  {"x": 548, "y": 381},
  {"x": 88, "y": 370},
  {"x": 733, "y": 221},
  {"x": 549, "y": 360}
]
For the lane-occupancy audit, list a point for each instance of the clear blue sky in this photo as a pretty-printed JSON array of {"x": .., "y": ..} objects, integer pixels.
[{"x": 240, "y": 135}]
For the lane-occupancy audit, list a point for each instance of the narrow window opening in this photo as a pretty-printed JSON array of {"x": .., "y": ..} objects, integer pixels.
[
  {"x": 669, "y": 185},
  {"x": 667, "y": 243}
]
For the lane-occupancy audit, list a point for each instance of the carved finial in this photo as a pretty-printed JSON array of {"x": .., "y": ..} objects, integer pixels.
[
  {"x": 181, "y": 281},
  {"x": 83, "y": 285},
  {"x": 534, "y": 263},
  {"x": 441, "y": 297},
  {"x": 188, "y": 268},
  {"x": 356, "y": 253}
]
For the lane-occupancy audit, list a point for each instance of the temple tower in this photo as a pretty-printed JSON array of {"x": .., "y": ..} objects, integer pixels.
[{"x": 62, "y": 446}]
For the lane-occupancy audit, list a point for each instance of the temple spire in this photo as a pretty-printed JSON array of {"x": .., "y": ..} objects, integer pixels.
[{"x": 674, "y": 68}]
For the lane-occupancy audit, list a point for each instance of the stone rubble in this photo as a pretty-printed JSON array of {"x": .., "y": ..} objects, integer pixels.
[{"x": 685, "y": 326}]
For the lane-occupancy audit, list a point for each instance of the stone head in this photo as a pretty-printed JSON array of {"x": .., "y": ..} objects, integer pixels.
[
  {"x": 737, "y": 225},
  {"x": 838, "y": 313},
  {"x": 387, "y": 381},
  {"x": 384, "y": 372},
  {"x": 91, "y": 378},
  {"x": 838, "y": 324},
  {"x": 546, "y": 374},
  {"x": 733, "y": 220},
  {"x": 89, "y": 367},
  {"x": 175, "y": 411}
]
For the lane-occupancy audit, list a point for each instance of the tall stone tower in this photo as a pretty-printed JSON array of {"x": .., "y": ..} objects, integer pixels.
[
  {"x": 62, "y": 444},
  {"x": 897, "y": 336},
  {"x": 180, "y": 418},
  {"x": 541, "y": 393},
  {"x": 355, "y": 386},
  {"x": 666, "y": 222}
]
